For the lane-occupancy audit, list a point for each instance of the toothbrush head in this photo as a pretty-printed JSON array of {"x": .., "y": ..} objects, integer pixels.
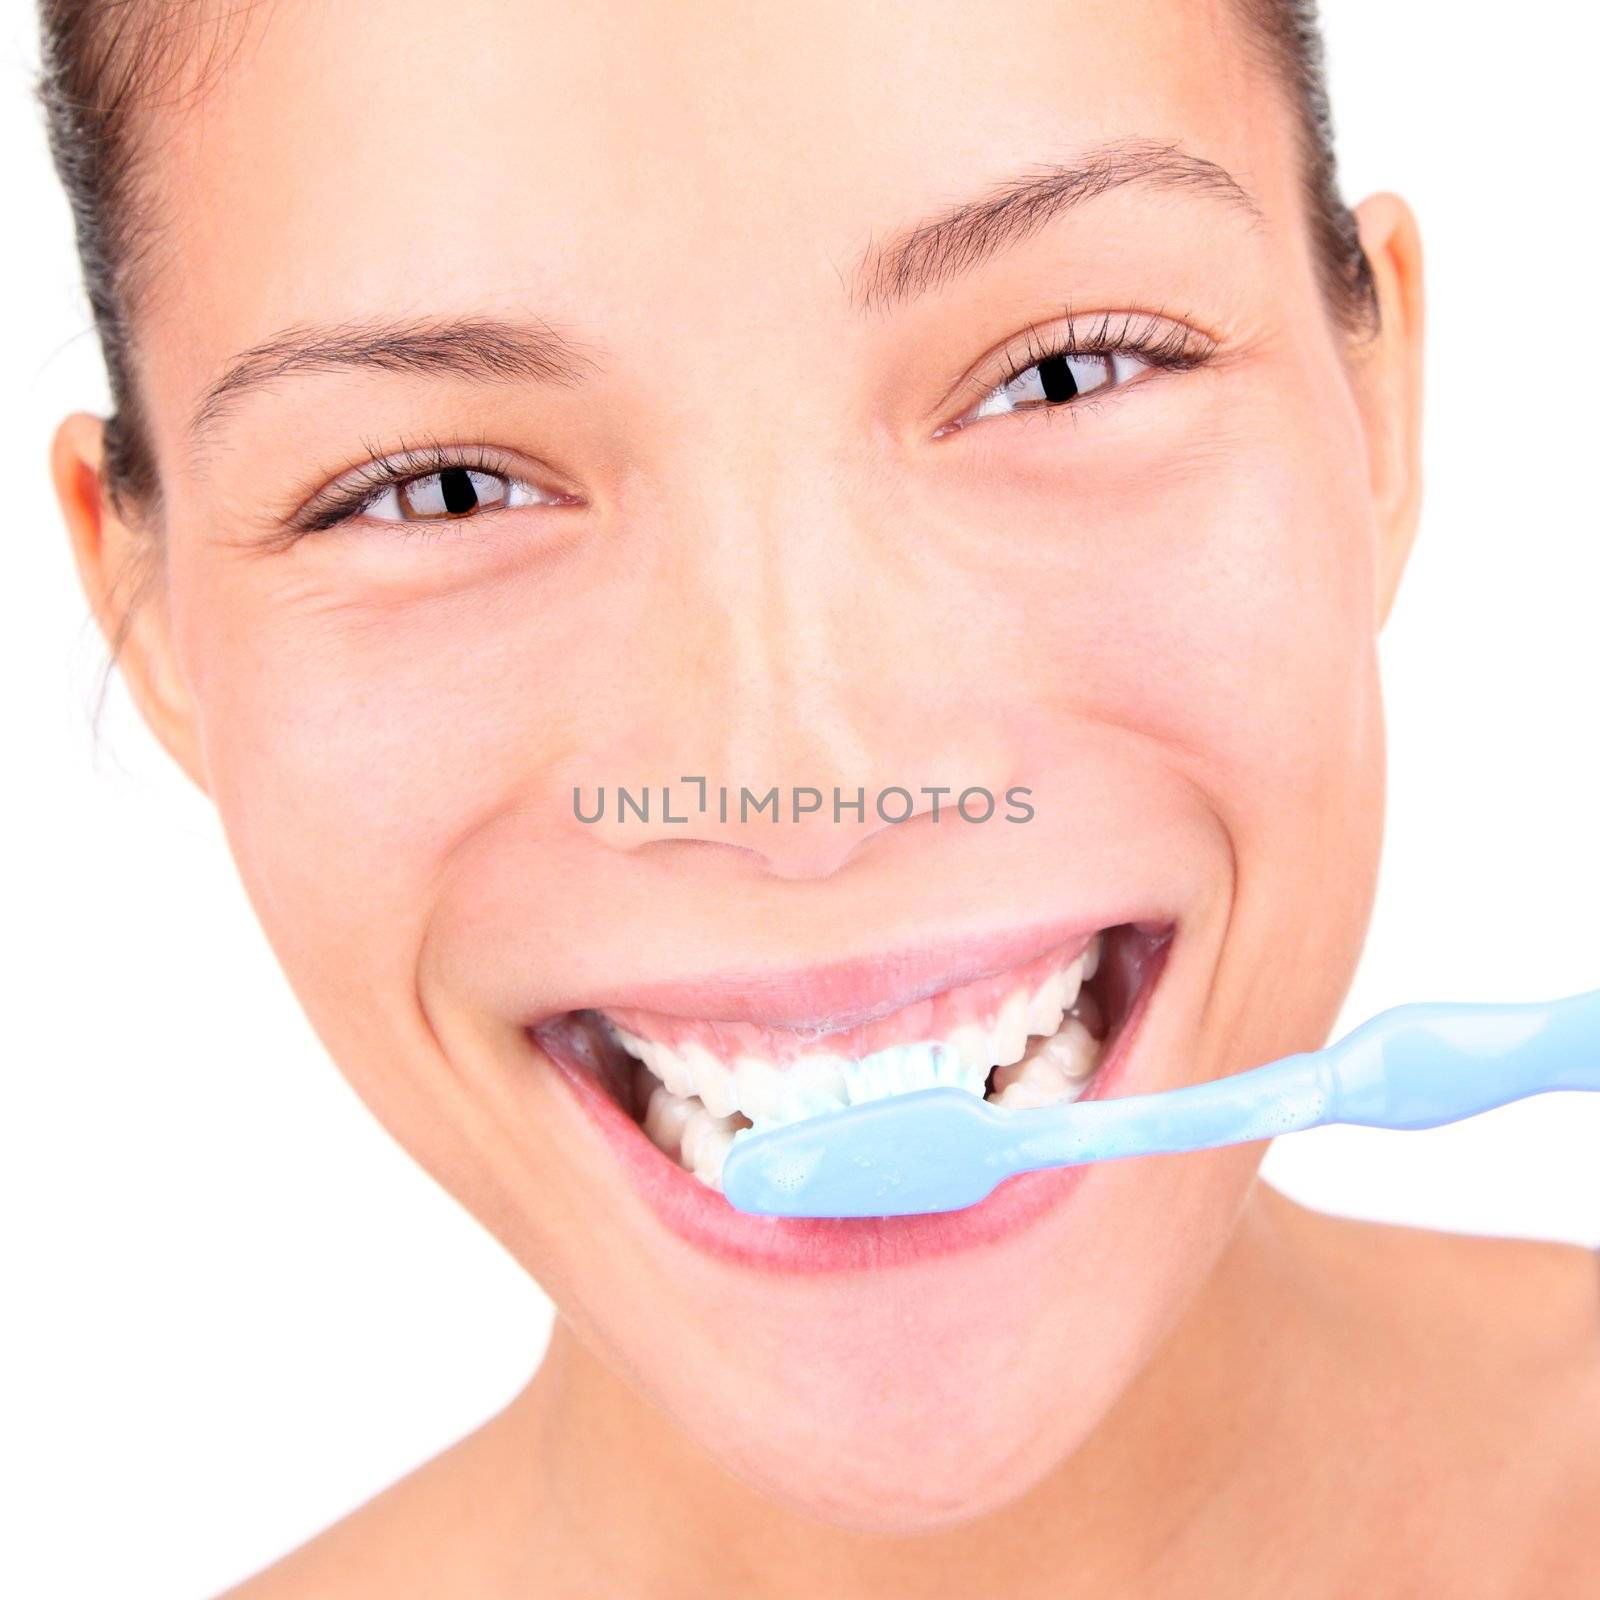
[{"x": 904, "y": 1155}]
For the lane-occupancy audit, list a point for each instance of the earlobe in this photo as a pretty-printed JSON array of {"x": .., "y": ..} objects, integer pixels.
[
  {"x": 119, "y": 566},
  {"x": 1391, "y": 383}
]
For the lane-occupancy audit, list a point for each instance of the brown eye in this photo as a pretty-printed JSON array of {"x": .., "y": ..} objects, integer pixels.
[
  {"x": 451, "y": 492},
  {"x": 430, "y": 489},
  {"x": 1057, "y": 380}
]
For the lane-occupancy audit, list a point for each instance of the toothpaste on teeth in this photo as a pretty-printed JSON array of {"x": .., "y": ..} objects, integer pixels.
[{"x": 1036, "y": 1047}]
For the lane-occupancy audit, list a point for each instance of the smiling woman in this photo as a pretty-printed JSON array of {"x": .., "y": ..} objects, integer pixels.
[{"x": 718, "y": 354}]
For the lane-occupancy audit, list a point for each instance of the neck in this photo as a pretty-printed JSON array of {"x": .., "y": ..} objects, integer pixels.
[{"x": 1163, "y": 1497}]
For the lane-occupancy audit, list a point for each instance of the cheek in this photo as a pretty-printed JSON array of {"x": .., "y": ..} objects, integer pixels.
[
  {"x": 1219, "y": 601},
  {"x": 1256, "y": 639},
  {"x": 352, "y": 749}
]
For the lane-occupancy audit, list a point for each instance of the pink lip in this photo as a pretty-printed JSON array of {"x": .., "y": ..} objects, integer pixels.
[
  {"x": 843, "y": 994},
  {"x": 825, "y": 1244}
]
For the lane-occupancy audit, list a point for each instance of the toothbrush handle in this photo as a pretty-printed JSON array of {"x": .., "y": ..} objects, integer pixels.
[
  {"x": 1414, "y": 1066},
  {"x": 1297, "y": 1092},
  {"x": 1418, "y": 1066}
]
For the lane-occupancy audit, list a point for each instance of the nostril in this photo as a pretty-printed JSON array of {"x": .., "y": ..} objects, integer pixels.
[
  {"x": 686, "y": 848},
  {"x": 790, "y": 854}
]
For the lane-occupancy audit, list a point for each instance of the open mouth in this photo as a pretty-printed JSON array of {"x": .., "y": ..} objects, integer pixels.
[{"x": 1035, "y": 1034}]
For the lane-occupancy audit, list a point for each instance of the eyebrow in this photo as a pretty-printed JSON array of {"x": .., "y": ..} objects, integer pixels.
[
  {"x": 489, "y": 349},
  {"x": 916, "y": 260},
  {"x": 911, "y": 262}
]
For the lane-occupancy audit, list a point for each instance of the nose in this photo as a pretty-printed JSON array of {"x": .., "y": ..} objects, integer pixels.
[
  {"x": 794, "y": 831},
  {"x": 789, "y": 692}
]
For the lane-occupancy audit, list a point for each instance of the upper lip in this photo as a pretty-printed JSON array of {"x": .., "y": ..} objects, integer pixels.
[{"x": 847, "y": 993}]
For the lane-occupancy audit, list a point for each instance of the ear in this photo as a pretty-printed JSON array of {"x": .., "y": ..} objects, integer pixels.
[
  {"x": 120, "y": 568},
  {"x": 1390, "y": 383}
]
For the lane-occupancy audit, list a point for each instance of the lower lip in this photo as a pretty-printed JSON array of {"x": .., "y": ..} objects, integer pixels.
[{"x": 705, "y": 1220}]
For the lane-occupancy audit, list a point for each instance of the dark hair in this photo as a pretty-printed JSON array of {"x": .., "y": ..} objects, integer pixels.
[
  {"x": 103, "y": 61},
  {"x": 1289, "y": 37}
]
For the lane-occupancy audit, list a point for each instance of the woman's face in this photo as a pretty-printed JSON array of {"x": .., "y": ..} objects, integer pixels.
[{"x": 758, "y": 504}]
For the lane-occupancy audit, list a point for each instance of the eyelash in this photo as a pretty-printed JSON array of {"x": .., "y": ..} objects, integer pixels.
[
  {"x": 1154, "y": 341},
  {"x": 363, "y": 487},
  {"x": 1160, "y": 344}
]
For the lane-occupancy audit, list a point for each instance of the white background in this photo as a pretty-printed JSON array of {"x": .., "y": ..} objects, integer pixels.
[{"x": 234, "y": 1310}]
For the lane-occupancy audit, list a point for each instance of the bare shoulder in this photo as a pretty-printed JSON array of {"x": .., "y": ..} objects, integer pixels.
[
  {"x": 1527, "y": 1308},
  {"x": 1525, "y": 1386},
  {"x": 434, "y": 1532},
  {"x": 1491, "y": 1347}
]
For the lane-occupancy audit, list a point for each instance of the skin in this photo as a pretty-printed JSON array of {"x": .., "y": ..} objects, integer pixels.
[{"x": 1158, "y": 611}]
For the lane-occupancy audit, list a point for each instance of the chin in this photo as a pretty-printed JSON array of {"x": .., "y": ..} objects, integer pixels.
[{"x": 918, "y": 1459}]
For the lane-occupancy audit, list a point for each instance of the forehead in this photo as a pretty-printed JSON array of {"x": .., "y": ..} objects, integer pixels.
[{"x": 596, "y": 161}]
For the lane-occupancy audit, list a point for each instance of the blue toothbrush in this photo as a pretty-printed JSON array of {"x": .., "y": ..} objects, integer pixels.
[{"x": 1414, "y": 1066}]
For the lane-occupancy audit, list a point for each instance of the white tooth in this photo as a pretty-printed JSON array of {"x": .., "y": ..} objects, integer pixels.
[
  {"x": 699, "y": 1125},
  {"x": 712, "y": 1152},
  {"x": 642, "y": 1050},
  {"x": 1073, "y": 980},
  {"x": 1008, "y": 1038},
  {"x": 705, "y": 1142},
  {"x": 1074, "y": 1049},
  {"x": 1091, "y": 957},
  {"x": 719, "y": 1096},
  {"x": 811, "y": 1084},
  {"x": 757, "y": 1087},
  {"x": 1026, "y": 1096},
  {"x": 713, "y": 1081},
  {"x": 666, "y": 1117},
  {"x": 1045, "y": 1009},
  {"x": 1035, "y": 1069},
  {"x": 969, "y": 1044},
  {"x": 802, "y": 1087},
  {"x": 674, "y": 1071},
  {"x": 632, "y": 1043},
  {"x": 662, "y": 1060}
]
